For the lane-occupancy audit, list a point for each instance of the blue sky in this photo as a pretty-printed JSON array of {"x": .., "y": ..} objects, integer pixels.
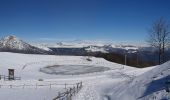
[{"x": 108, "y": 20}]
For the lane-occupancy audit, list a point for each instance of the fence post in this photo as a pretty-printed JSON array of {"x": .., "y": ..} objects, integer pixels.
[
  {"x": 77, "y": 86},
  {"x": 36, "y": 86},
  {"x": 70, "y": 94},
  {"x": 59, "y": 95},
  {"x": 50, "y": 86},
  {"x": 81, "y": 84},
  {"x": 74, "y": 90},
  {"x": 23, "y": 86},
  {"x": 67, "y": 94},
  {"x": 65, "y": 85},
  {"x": 10, "y": 86}
]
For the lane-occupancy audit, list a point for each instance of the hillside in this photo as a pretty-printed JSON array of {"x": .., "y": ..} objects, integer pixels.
[
  {"x": 132, "y": 85},
  {"x": 150, "y": 85},
  {"x": 115, "y": 82}
]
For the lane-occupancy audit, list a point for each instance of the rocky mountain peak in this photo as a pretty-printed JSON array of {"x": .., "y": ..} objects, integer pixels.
[
  {"x": 10, "y": 37},
  {"x": 13, "y": 44}
]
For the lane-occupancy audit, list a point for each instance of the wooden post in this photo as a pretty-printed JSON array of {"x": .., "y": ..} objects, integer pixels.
[
  {"x": 81, "y": 84},
  {"x": 59, "y": 94},
  {"x": 70, "y": 94},
  {"x": 70, "y": 90},
  {"x": 67, "y": 94},
  {"x": 77, "y": 86},
  {"x": 4, "y": 78},
  {"x": 74, "y": 90},
  {"x": 10, "y": 86},
  {"x": 36, "y": 86},
  {"x": 65, "y": 85},
  {"x": 50, "y": 86},
  {"x": 23, "y": 86}
]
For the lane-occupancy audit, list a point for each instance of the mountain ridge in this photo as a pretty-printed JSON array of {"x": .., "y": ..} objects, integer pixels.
[{"x": 13, "y": 44}]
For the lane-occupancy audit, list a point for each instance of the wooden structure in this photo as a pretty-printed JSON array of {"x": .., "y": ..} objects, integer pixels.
[
  {"x": 11, "y": 74},
  {"x": 67, "y": 95}
]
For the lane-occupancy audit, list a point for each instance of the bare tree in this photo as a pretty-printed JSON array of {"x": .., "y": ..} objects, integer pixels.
[{"x": 159, "y": 37}]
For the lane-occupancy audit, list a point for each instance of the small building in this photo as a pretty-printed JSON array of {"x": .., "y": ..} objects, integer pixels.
[{"x": 10, "y": 74}]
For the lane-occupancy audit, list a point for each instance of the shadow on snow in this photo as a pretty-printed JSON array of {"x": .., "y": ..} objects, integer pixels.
[{"x": 155, "y": 86}]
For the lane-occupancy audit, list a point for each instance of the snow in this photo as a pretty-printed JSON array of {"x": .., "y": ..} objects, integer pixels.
[
  {"x": 70, "y": 44},
  {"x": 43, "y": 47},
  {"x": 90, "y": 46},
  {"x": 72, "y": 69},
  {"x": 12, "y": 42},
  {"x": 118, "y": 82},
  {"x": 103, "y": 49}
]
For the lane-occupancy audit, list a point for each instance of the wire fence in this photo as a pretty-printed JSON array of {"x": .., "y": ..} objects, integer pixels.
[
  {"x": 67, "y": 95},
  {"x": 5, "y": 78},
  {"x": 69, "y": 89},
  {"x": 37, "y": 85}
]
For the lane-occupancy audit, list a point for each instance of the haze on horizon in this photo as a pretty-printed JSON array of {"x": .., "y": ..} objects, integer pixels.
[{"x": 95, "y": 20}]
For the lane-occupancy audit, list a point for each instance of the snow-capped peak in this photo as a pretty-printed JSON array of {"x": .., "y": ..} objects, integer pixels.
[{"x": 12, "y": 42}]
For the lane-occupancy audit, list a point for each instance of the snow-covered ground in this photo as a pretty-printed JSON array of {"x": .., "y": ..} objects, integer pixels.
[{"x": 118, "y": 82}]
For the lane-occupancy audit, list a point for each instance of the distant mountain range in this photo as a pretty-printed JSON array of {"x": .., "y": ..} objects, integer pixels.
[
  {"x": 136, "y": 56},
  {"x": 139, "y": 56}
]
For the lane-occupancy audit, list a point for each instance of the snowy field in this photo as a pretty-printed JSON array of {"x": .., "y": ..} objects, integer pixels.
[
  {"x": 43, "y": 76},
  {"x": 72, "y": 69}
]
